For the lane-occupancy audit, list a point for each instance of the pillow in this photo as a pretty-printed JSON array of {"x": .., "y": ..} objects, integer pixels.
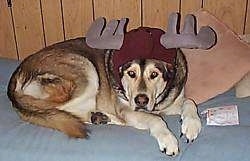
[{"x": 214, "y": 71}]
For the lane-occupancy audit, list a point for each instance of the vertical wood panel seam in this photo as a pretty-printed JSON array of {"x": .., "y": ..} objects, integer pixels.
[
  {"x": 14, "y": 32},
  {"x": 93, "y": 10},
  {"x": 42, "y": 21},
  {"x": 202, "y": 3},
  {"x": 245, "y": 19},
  {"x": 63, "y": 23},
  {"x": 180, "y": 7},
  {"x": 141, "y": 14}
]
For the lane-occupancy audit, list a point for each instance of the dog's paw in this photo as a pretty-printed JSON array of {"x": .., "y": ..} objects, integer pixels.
[
  {"x": 168, "y": 144},
  {"x": 191, "y": 127},
  {"x": 99, "y": 118}
]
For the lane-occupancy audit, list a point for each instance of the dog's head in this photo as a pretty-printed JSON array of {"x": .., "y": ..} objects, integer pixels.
[{"x": 144, "y": 80}]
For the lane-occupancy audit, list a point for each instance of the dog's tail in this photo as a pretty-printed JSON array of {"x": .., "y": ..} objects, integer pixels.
[
  {"x": 36, "y": 97},
  {"x": 46, "y": 115}
]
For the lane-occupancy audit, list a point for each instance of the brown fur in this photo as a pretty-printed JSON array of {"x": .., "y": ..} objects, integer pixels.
[{"x": 56, "y": 60}]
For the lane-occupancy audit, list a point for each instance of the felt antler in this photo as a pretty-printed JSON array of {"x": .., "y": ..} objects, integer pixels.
[
  {"x": 109, "y": 37},
  {"x": 188, "y": 38}
]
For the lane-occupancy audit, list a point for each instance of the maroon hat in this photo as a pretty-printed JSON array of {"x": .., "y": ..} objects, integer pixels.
[{"x": 142, "y": 43}]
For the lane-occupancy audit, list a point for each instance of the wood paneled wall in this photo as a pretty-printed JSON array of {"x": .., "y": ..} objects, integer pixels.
[{"x": 26, "y": 26}]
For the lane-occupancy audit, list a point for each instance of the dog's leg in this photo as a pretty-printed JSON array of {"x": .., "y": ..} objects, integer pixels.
[
  {"x": 191, "y": 123},
  {"x": 157, "y": 127}
]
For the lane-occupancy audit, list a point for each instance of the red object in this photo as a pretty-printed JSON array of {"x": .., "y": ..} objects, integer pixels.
[{"x": 142, "y": 43}]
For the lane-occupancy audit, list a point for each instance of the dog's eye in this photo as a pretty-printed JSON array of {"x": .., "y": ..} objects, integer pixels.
[
  {"x": 131, "y": 74},
  {"x": 45, "y": 81},
  {"x": 153, "y": 75}
]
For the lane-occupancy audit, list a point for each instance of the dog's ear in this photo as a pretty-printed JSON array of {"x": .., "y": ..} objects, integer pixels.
[{"x": 168, "y": 70}]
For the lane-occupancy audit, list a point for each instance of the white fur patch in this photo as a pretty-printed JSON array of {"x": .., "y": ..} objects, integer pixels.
[
  {"x": 84, "y": 102},
  {"x": 33, "y": 89}
]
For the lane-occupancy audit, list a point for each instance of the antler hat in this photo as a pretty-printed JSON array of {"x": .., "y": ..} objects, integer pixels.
[
  {"x": 145, "y": 42},
  {"x": 142, "y": 43}
]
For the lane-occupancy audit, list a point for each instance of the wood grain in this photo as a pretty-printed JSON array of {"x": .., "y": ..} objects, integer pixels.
[
  {"x": 116, "y": 9},
  {"x": 78, "y": 15},
  {"x": 155, "y": 13},
  {"x": 7, "y": 39},
  {"x": 28, "y": 26},
  {"x": 52, "y": 18},
  {"x": 247, "y": 27},
  {"x": 190, "y": 6},
  {"x": 71, "y": 18},
  {"x": 230, "y": 12}
]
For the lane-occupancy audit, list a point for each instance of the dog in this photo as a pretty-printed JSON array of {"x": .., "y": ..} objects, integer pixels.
[{"x": 66, "y": 84}]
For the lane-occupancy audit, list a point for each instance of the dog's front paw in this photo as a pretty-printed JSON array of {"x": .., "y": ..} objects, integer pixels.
[
  {"x": 99, "y": 118},
  {"x": 191, "y": 127},
  {"x": 168, "y": 144}
]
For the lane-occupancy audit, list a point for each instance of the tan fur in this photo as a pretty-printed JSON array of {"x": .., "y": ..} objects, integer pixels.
[
  {"x": 62, "y": 85},
  {"x": 143, "y": 84}
]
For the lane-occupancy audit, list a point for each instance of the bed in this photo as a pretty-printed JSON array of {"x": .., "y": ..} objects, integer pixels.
[{"x": 26, "y": 142}]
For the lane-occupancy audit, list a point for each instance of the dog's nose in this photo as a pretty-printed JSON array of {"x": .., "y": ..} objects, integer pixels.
[{"x": 141, "y": 100}]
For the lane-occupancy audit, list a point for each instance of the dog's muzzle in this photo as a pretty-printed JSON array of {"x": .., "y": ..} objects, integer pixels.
[{"x": 141, "y": 101}]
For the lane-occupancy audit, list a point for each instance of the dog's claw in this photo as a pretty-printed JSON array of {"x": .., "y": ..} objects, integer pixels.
[
  {"x": 181, "y": 135},
  {"x": 173, "y": 154},
  {"x": 188, "y": 141},
  {"x": 180, "y": 121},
  {"x": 164, "y": 150}
]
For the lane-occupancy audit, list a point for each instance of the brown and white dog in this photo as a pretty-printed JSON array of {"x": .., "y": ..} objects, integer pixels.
[
  {"x": 63, "y": 85},
  {"x": 67, "y": 84}
]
